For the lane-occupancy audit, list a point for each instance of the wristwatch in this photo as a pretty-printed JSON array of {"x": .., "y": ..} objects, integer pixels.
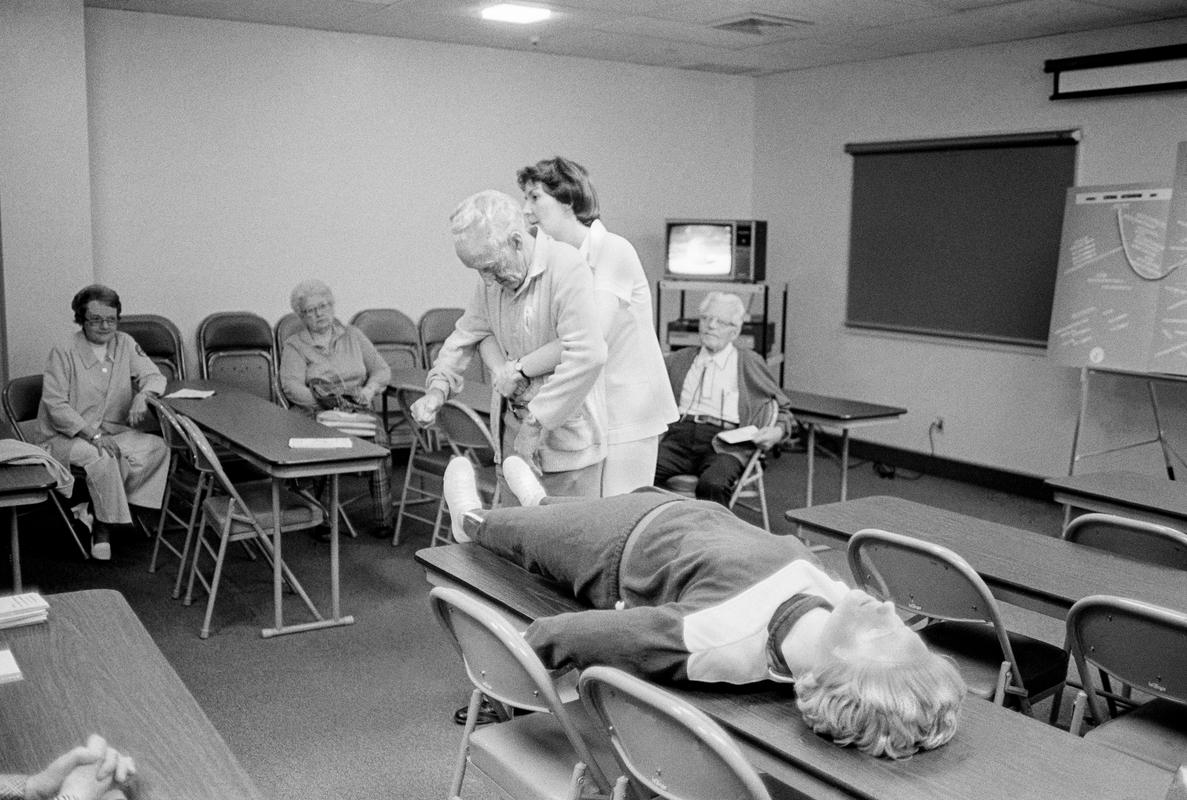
[
  {"x": 517, "y": 365},
  {"x": 97, "y": 436}
]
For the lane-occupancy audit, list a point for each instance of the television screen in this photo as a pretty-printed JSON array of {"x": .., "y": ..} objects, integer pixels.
[{"x": 700, "y": 250}]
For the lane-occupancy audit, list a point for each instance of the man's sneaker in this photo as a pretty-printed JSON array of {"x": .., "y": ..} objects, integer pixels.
[{"x": 100, "y": 542}]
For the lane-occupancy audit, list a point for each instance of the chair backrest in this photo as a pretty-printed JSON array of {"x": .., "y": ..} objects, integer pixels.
[
  {"x": 22, "y": 399},
  {"x": 160, "y": 339},
  {"x": 925, "y": 579},
  {"x": 501, "y": 664},
  {"x": 1140, "y": 644},
  {"x": 236, "y": 348},
  {"x": 465, "y": 432},
  {"x": 1132, "y": 538},
  {"x": 176, "y": 437},
  {"x": 435, "y": 325},
  {"x": 205, "y": 458},
  {"x": 664, "y": 743},
  {"x": 285, "y": 327},
  {"x": 394, "y": 335},
  {"x": 407, "y": 394}
]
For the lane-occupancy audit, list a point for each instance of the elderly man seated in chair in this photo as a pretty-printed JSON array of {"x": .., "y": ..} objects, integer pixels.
[
  {"x": 719, "y": 387},
  {"x": 681, "y": 589}
]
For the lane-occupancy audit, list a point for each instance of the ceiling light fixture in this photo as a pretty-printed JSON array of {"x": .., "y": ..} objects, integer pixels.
[{"x": 510, "y": 12}]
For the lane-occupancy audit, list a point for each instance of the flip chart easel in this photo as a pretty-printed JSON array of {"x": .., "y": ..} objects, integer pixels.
[{"x": 1121, "y": 292}]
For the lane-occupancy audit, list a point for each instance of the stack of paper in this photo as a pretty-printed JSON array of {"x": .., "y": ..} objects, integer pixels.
[
  {"x": 22, "y": 609},
  {"x": 320, "y": 443}
]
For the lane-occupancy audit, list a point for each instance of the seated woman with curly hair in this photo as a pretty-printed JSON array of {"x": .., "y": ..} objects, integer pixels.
[
  {"x": 682, "y": 589},
  {"x": 330, "y": 366}
]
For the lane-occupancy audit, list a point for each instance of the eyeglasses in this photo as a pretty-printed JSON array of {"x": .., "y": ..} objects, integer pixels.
[
  {"x": 99, "y": 322},
  {"x": 718, "y": 322},
  {"x": 320, "y": 308}
]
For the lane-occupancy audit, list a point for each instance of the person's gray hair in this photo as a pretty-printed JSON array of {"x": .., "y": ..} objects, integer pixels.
[
  {"x": 307, "y": 289},
  {"x": 489, "y": 216},
  {"x": 733, "y": 305}
]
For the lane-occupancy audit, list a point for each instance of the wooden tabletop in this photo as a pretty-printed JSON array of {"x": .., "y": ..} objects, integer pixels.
[
  {"x": 261, "y": 430},
  {"x": 93, "y": 668},
  {"x": 1028, "y": 569},
  {"x": 839, "y": 409},
  {"x": 996, "y": 753},
  {"x": 1153, "y": 494}
]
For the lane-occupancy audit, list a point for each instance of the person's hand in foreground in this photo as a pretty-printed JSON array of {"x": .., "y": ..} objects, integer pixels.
[{"x": 84, "y": 773}]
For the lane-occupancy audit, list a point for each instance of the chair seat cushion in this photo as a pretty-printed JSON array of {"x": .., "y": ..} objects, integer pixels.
[
  {"x": 1155, "y": 732},
  {"x": 975, "y": 648},
  {"x": 529, "y": 757},
  {"x": 433, "y": 461},
  {"x": 295, "y": 513}
]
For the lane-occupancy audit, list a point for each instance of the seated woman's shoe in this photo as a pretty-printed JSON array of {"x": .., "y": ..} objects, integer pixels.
[{"x": 100, "y": 541}]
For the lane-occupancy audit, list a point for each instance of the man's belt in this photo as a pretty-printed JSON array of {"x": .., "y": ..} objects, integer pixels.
[{"x": 705, "y": 419}]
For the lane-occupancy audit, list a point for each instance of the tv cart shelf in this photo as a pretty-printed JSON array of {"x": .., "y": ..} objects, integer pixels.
[{"x": 672, "y": 304}]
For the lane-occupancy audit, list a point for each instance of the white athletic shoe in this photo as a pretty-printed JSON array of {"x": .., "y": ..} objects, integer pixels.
[
  {"x": 461, "y": 494},
  {"x": 522, "y": 481}
]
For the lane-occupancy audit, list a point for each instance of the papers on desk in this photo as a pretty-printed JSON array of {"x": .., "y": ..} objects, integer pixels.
[
  {"x": 22, "y": 609},
  {"x": 320, "y": 443},
  {"x": 190, "y": 394},
  {"x": 9, "y": 671},
  {"x": 738, "y": 435}
]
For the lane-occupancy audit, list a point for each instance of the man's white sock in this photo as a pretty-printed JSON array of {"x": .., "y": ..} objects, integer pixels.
[
  {"x": 522, "y": 480},
  {"x": 461, "y": 494}
]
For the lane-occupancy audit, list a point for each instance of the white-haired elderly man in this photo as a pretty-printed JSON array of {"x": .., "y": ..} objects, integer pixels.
[
  {"x": 533, "y": 290},
  {"x": 718, "y": 387}
]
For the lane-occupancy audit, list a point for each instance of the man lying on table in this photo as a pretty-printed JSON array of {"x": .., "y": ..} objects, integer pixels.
[{"x": 682, "y": 589}]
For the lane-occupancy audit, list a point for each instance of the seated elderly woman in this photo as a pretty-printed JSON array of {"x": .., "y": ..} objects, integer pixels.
[
  {"x": 92, "y": 402},
  {"x": 683, "y": 590},
  {"x": 331, "y": 366}
]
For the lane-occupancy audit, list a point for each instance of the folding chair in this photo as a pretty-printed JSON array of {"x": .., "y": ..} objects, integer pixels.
[
  {"x": 1132, "y": 538},
  {"x": 1142, "y": 647},
  {"x": 964, "y": 621},
  {"x": 285, "y": 327},
  {"x": 241, "y": 513},
  {"x": 425, "y": 470},
  {"x": 750, "y": 483},
  {"x": 467, "y": 435},
  {"x": 22, "y": 399},
  {"x": 669, "y": 747},
  {"x": 397, "y": 339},
  {"x": 235, "y": 347},
  {"x": 188, "y": 481},
  {"x": 435, "y": 325},
  {"x": 548, "y": 755},
  {"x": 160, "y": 339}
]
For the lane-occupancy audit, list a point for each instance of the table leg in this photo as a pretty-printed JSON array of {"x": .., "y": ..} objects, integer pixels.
[
  {"x": 277, "y": 560},
  {"x": 335, "y": 610},
  {"x": 811, "y": 460},
  {"x": 844, "y": 463},
  {"x": 16, "y": 551}
]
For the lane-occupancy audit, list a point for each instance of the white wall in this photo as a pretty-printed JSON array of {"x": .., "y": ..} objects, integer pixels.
[
  {"x": 45, "y": 204},
  {"x": 231, "y": 160},
  {"x": 1003, "y": 408}
]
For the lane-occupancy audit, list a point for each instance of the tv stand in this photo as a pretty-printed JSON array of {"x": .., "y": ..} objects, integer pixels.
[{"x": 676, "y": 323}]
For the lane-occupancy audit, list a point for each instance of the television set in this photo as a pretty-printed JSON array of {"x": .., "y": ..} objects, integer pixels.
[{"x": 716, "y": 250}]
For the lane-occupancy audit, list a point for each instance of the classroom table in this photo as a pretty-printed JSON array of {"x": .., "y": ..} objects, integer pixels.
[
  {"x": 93, "y": 668},
  {"x": 1153, "y": 498},
  {"x": 260, "y": 431},
  {"x": 996, "y": 753},
  {"x": 816, "y": 410},
  {"x": 21, "y": 485},
  {"x": 1042, "y": 573}
]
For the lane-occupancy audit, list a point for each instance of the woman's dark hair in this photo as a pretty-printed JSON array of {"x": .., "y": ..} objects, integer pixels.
[
  {"x": 567, "y": 182},
  {"x": 96, "y": 291}
]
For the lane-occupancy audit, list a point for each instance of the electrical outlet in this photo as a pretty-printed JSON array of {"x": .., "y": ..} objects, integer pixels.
[{"x": 938, "y": 424}]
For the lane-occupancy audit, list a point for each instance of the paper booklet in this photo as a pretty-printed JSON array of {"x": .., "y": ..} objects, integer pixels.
[
  {"x": 321, "y": 443},
  {"x": 9, "y": 670},
  {"x": 190, "y": 394},
  {"x": 22, "y": 609},
  {"x": 738, "y": 435}
]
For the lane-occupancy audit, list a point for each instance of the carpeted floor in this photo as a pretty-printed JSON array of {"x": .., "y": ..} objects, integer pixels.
[{"x": 365, "y": 710}]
